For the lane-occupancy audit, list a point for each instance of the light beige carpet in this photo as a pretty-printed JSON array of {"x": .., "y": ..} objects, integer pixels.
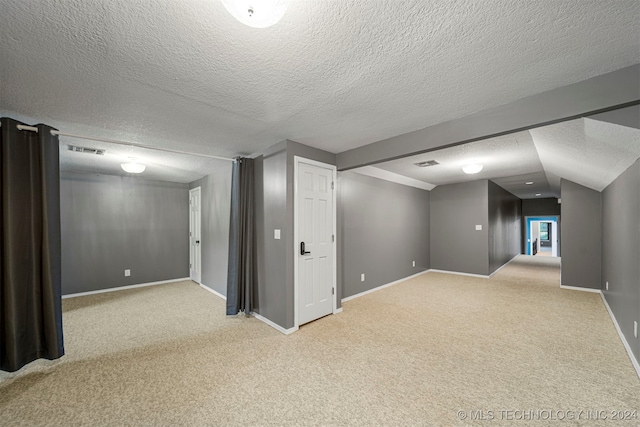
[
  {"x": 544, "y": 253},
  {"x": 434, "y": 350}
]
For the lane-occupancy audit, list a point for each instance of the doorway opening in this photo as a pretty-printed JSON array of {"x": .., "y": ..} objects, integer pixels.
[
  {"x": 543, "y": 237},
  {"x": 195, "y": 251}
]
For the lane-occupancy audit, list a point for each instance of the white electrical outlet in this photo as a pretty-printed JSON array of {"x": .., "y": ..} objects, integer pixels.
[
  {"x": 414, "y": 263},
  {"x": 362, "y": 277},
  {"x": 606, "y": 285},
  {"x": 478, "y": 227},
  {"x": 127, "y": 273},
  {"x": 635, "y": 329}
]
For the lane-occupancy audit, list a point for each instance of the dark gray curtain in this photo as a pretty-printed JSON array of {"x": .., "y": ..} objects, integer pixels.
[
  {"x": 30, "y": 296},
  {"x": 242, "y": 272}
]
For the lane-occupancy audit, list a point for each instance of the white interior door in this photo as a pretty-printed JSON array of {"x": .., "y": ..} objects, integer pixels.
[
  {"x": 315, "y": 243},
  {"x": 554, "y": 238},
  {"x": 195, "y": 246}
]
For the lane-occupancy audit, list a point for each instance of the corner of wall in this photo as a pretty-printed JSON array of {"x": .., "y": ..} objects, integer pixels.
[{"x": 581, "y": 235}]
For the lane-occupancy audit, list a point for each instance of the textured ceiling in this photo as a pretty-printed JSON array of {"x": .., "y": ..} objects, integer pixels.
[
  {"x": 589, "y": 152},
  {"x": 331, "y": 74},
  {"x": 502, "y": 157},
  {"x": 159, "y": 165}
]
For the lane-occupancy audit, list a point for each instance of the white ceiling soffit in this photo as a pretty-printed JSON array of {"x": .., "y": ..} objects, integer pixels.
[
  {"x": 160, "y": 165},
  {"x": 589, "y": 152},
  {"x": 334, "y": 75},
  {"x": 376, "y": 172}
]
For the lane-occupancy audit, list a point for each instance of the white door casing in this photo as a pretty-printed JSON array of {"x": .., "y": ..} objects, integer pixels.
[
  {"x": 554, "y": 239},
  {"x": 195, "y": 238},
  {"x": 315, "y": 226}
]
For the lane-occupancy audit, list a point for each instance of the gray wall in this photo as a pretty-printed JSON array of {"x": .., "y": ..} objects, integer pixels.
[
  {"x": 505, "y": 226},
  {"x": 581, "y": 235},
  {"x": 455, "y": 211},
  {"x": 112, "y": 223},
  {"x": 621, "y": 251},
  {"x": 270, "y": 298},
  {"x": 540, "y": 207},
  {"x": 383, "y": 227},
  {"x": 216, "y": 208},
  {"x": 274, "y": 179}
]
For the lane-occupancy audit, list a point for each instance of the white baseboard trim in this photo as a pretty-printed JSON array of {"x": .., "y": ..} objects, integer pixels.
[
  {"x": 634, "y": 361},
  {"x": 578, "y": 288},
  {"x": 504, "y": 265},
  {"x": 123, "y": 288},
  {"x": 337, "y": 310},
  {"x": 383, "y": 286},
  {"x": 206, "y": 288},
  {"x": 459, "y": 273},
  {"x": 274, "y": 325},
  {"x": 254, "y": 314}
]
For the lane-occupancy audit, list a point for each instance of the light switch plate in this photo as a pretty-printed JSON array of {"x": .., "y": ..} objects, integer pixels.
[
  {"x": 127, "y": 273},
  {"x": 362, "y": 277},
  {"x": 276, "y": 234},
  {"x": 479, "y": 227}
]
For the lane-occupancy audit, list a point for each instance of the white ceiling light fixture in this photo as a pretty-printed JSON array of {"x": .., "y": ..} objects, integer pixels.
[
  {"x": 133, "y": 167},
  {"x": 529, "y": 183},
  {"x": 256, "y": 13},
  {"x": 538, "y": 194},
  {"x": 472, "y": 168}
]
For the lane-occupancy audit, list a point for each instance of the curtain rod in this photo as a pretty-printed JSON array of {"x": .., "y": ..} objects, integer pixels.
[{"x": 130, "y": 144}]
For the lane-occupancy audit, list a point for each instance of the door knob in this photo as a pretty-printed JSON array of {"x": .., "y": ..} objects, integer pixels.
[
  {"x": 197, "y": 242},
  {"x": 302, "y": 249}
]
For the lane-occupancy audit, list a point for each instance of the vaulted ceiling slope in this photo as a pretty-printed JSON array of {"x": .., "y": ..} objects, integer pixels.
[
  {"x": 589, "y": 152},
  {"x": 334, "y": 75}
]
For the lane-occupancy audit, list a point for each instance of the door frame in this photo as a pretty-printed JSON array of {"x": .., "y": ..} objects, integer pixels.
[
  {"x": 334, "y": 176},
  {"x": 199, "y": 251},
  {"x": 538, "y": 218}
]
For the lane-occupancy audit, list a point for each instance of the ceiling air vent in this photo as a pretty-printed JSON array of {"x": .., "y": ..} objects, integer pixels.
[
  {"x": 426, "y": 163},
  {"x": 98, "y": 151}
]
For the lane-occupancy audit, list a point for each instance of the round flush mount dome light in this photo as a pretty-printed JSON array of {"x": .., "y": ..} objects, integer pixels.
[
  {"x": 133, "y": 167},
  {"x": 471, "y": 169},
  {"x": 256, "y": 13}
]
